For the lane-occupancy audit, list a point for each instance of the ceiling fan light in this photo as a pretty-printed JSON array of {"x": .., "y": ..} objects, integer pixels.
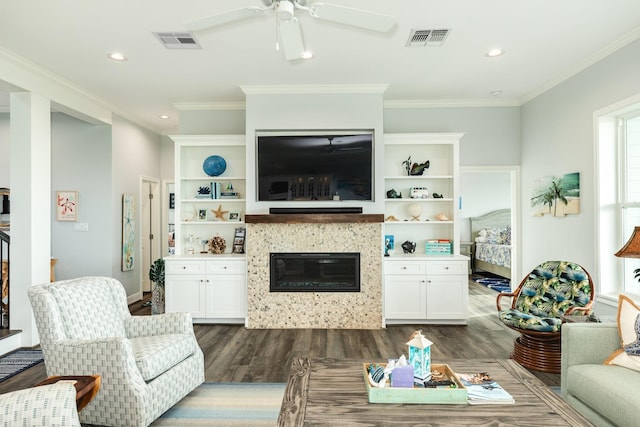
[{"x": 284, "y": 10}]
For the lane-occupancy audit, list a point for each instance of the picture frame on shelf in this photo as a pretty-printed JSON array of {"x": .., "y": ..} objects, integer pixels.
[
  {"x": 238, "y": 240},
  {"x": 202, "y": 214},
  {"x": 234, "y": 216}
]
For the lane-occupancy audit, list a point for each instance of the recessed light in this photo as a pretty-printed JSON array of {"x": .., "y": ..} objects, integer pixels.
[
  {"x": 117, "y": 56},
  {"x": 163, "y": 116},
  {"x": 495, "y": 52},
  {"x": 307, "y": 55},
  {"x": 496, "y": 92}
]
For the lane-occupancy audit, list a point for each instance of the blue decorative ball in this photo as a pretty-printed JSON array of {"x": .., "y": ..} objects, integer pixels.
[{"x": 214, "y": 165}]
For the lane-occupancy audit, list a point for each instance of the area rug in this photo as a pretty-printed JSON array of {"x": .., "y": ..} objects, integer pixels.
[
  {"x": 17, "y": 361},
  {"x": 498, "y": 284},
  {"x": 227, "y": 404}
]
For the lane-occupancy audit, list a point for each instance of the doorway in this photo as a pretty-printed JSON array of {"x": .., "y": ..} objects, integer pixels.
[
  {"x": 488, "y": 188},
  {"x": 149, "y": 228}
]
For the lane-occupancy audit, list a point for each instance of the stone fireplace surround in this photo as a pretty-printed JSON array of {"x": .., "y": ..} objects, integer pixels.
[{"x": 314, "y": 233}]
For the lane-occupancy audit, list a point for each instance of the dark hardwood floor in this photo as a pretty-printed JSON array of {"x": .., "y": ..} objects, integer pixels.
[{"x": 236, "y": 354}]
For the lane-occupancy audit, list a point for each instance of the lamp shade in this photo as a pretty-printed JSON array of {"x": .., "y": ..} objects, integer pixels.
[{"x": 632, "y": 248}]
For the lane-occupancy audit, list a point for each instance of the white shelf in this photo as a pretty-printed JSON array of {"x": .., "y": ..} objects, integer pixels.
[
  {"x": 213, "y": 178},
  {"x": 408, "y": 222},
  {"x": 418, "y": 177},
  {"x": 212, "y": 222},
  {"x": 213, "y": 200},
  {"x": 427, "y": 200}
]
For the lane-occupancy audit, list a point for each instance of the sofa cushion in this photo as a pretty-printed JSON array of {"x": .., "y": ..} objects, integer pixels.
[
  {"x": 157, "y": 354},
  {"x": 609, "y": 390},
  {"x": 628, "y": 330}
]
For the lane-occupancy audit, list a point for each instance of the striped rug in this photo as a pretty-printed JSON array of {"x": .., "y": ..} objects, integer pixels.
[
  {"x": 17, "y": 361},
  {"x": 227, "y": 404}
]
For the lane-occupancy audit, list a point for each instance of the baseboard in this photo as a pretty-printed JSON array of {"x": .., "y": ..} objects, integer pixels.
[
  {"x": 134, "y": 298},
  {"x": 10, "y": 343}
]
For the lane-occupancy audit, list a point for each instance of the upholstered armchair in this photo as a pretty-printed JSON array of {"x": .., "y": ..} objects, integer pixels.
[
  {"x": 147, "y": 363},
  {"x": 44, "y": 406},
  {"x": 552, "y": 290}
]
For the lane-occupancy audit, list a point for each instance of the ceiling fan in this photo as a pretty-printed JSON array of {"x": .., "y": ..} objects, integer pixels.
[{"x": 289, "y": 34}]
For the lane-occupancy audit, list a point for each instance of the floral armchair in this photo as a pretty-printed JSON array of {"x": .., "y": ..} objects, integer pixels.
[
  {"x": 147, "y": 363},
  {"x": 552, "y": 290}
]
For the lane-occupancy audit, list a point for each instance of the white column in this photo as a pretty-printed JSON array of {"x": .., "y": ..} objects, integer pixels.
[{"x": 30, "y": 177}]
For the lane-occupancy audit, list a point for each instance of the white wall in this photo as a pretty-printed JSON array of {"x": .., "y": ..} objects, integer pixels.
[
  {"x": 135, "y": 153},
  {"x": 482, "y": 192},
  {"x": 557, "y": 138},
  {"x": 4, "y": 150},
  {"x": 81, "y": 161},
  {"x": 491, "y": 134}
]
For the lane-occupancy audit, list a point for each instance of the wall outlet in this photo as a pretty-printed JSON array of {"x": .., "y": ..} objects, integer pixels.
[{"x": 81, "y": 226}]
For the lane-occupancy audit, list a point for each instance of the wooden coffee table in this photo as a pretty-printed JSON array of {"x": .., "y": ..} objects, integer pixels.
[
  {"x": 87, "y": 386},
  {"x": 332, "y": 392}
]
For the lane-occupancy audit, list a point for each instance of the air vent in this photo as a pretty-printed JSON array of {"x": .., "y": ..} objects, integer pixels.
[
  {"x": 430, "y": 38},
  {"x": 177, "y": 40}
]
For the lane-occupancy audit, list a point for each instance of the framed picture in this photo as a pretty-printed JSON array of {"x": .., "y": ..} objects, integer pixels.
[
  {"x": 202, "y": 214},
  {"x": 67, "y": 206},
  {"x": 172, "y": 200},
  {"x": 128, "y": 231},
  {"x": 238, "y": 240},
  {"x": 234, "y": 216}
]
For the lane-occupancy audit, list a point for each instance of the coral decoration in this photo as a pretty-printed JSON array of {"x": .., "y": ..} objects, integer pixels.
[{"x": 217, "y": 245}]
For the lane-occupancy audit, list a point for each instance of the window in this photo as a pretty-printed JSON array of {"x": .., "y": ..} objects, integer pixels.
[
  {"x": 618, "y": 175},
  {"x": 629, "y": 178}
]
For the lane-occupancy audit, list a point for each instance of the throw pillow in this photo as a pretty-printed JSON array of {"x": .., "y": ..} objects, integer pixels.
[{"x": 629, "y": 330}]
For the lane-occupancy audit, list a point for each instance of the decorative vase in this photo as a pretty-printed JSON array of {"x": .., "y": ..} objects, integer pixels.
[{"x": 157, "y": 300}]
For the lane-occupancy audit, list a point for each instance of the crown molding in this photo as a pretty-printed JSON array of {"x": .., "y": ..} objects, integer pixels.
[
  {"x": 196, "y": 106},
  {"x": 312, "y": 89},
  {"x": 451, "y": 103}
]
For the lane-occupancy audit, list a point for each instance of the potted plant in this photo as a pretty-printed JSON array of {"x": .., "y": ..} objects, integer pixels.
[{"x": 156, "y": 275}]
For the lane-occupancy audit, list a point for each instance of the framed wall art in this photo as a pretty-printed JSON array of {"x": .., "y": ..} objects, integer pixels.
[
  {"x": 128, "y": 231},
  {"x": 67, "y": 205}
]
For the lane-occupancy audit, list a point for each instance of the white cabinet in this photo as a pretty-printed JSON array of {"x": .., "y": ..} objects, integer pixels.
[
  {"x": 420, "y": 218},
  {"x": 212, "y": 290},
  {"x": 198, "y": 217},
  {"x": 426, "y": 290}
]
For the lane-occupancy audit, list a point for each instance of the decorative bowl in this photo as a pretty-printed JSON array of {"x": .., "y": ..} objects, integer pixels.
[{"x": 214, "y": 165}]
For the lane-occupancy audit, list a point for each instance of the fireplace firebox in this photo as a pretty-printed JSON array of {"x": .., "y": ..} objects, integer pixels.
[{"x": 315, "y": 272}]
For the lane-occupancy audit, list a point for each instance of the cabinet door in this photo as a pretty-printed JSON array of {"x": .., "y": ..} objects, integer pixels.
[
  {"x": 226, "y": 296},
  {"x": 447, "y": 297},
  {"x": 185, "y": 292},
  {"x": 405, "y": 297}
]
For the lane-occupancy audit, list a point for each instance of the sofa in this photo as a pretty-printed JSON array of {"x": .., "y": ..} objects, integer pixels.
[
  {"x": 607, "y": 395},
  {"x": 147, "y": 363}
]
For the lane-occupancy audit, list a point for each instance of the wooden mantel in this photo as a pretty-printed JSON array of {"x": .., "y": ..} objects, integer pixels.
[{"x": 319, "y": 218}]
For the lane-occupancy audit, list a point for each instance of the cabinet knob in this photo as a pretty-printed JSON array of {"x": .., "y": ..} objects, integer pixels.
[
  {"x": 403, "y": 268},
  {"x": 184, "y": 267},
  {"x": 446, "y": 268},
  {"x": 225, "y": 267}
]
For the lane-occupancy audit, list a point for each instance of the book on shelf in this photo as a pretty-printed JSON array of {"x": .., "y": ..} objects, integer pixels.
[{"x": 483, "y": 390}]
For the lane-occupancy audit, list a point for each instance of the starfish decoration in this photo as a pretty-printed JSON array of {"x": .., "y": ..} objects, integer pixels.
[{"x": 219, "y": 213}]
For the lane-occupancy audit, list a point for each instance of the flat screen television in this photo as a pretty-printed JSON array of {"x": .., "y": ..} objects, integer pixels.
[{"x": 315, "y": 166}]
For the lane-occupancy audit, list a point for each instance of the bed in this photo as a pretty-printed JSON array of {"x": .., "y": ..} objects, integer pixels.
[{"x": 491, "y": 233}]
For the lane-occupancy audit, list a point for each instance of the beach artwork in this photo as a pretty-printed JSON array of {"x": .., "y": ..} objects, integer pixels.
[{"x": 556, "y": 196}]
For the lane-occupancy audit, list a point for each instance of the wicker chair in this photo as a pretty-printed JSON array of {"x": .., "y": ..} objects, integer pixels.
[
  {"x": 147, "y": 363},
  {"x": 552, "y": 290}
]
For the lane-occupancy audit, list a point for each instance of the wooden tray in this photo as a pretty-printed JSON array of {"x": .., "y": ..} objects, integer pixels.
[{"x": 418, "y": 395}]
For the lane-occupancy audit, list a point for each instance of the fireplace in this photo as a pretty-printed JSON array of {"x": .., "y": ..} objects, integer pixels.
[{"x": 314, "y": 272}]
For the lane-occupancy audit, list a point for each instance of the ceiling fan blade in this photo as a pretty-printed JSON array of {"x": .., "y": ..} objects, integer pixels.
[
  {"x": 355, "y": 17},
  {"x": 223, "y": 18},
  {"x": 291, "y": 39}
]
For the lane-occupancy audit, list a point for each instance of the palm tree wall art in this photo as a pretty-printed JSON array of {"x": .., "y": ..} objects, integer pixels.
[{"x": 556, "y": 196}]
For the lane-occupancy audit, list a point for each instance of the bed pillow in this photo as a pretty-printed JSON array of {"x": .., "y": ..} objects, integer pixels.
[
  {"x": 499, "y": 235},
  {"x": 629, "y": 331}
]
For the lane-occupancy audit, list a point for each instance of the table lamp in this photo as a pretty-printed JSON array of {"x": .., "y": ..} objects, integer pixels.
[{"x": 632, "y": 249}]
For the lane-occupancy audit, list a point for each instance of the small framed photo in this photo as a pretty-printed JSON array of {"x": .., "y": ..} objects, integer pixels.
[
  {"x": 67, "y": 205},
  {"x": 202, "y": 214},
  {"x": 238, "y": 240},
  {"x": 172, "y": 200},
  {"x": 234, "y": 216}
]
